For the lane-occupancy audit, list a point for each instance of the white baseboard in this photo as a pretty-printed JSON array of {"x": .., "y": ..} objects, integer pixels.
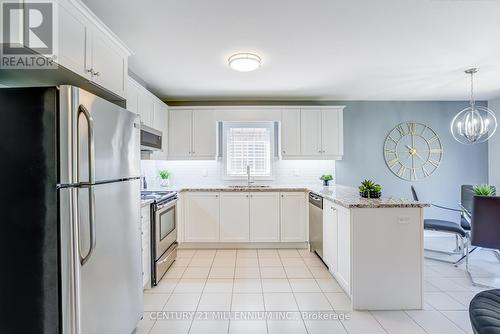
[{"x": 242, "y": 245}]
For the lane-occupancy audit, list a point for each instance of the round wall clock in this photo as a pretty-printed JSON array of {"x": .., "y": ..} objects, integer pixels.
[{"x": 413, "y": 151}]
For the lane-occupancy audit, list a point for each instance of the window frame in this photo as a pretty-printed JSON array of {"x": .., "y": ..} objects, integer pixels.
[{"x": 251, "y": 124}]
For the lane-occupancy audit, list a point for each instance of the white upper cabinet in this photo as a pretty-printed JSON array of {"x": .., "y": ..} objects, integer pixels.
[
  {"x": 332, "y": 132},
  {"x": 89, "y": 49},
  {"x": 109, "y": 66},
  {"x": 160, "y": 117},
  {"x": 204, "y": 134},
  {"x": 234, "y": 217},
  {"x": 306, "y": 133},
  {"x": 152, "y": 111},
  {"x": 179, "y": 134},
  {"x": 312, "y": 133},
  {"x": 290, "y": 132},
  {"x": 293, "y": 217},
  {"x": 146, "y": 108},
  {"x": 264, "y": 217},
  {"x": 192, "y": 134},
  {"x": 73, "y": 39},
  {"x": 133, "y": 93}
]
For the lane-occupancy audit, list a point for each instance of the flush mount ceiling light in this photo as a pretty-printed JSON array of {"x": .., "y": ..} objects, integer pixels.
[
  {"x": 474, "y": 124},
  {"x": 244, "y": 62}
]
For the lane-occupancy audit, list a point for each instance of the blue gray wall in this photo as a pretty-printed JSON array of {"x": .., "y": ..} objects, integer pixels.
[
  {"x": 494, "y": 149},
  {"x": 366, "y": 125}
]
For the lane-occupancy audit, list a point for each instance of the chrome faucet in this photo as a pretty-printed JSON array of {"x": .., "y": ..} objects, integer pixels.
[{"x": 248, "y": 176}]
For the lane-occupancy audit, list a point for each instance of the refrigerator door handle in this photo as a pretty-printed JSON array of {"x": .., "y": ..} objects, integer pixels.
[
  {"x": 91, "y": 161},
  {"x": 92, "y": 228},
  {"x": 90, "y": 142}
]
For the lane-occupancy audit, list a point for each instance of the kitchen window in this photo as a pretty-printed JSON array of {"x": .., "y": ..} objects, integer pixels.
[{"x": 248, "y": 144}]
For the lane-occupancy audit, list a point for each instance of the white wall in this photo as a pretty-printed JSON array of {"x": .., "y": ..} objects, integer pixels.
[
  {"x": 494, "y": 149},
  {"x": 199, "y": 173}
]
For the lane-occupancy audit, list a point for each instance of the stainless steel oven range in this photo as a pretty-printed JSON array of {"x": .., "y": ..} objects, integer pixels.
[{"x": 163, "y": 232}]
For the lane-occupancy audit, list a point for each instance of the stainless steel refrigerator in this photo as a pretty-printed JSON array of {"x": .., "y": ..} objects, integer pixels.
[{"x": 70, "y": 200}]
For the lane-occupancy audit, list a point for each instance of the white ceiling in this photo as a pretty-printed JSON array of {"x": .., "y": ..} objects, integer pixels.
[{"x": 311, "y": 49}]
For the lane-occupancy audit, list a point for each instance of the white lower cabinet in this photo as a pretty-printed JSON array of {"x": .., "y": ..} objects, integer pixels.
[
  {"x": 344, "y": 248},
  {"x": 234, "y": 217},
  {"x": 146, "y": 246},
  {"x": 293, "y": 217},
  {"x": 264, "y": 217},
  {"x": 330, "y": 236},
  {"x": 337, "y": 242},
  {"x": 201, "y": 217}
]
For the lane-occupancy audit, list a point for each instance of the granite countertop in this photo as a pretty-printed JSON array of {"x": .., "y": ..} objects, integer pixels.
[
  {"x": 229, "y": 188},
  {"x": 347, "y": 197},
  {"x": 145, "y": 202}
]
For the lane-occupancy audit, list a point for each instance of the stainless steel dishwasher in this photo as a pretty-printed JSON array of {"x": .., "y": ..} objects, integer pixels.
[{"x": 316, "y": 224}]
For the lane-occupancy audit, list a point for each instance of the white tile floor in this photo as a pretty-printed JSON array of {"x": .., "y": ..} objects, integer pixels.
[{"x": 295, "y": 280}]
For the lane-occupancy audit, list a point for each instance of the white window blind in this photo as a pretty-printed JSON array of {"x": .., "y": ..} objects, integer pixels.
[{"x": 248, "y": 145}]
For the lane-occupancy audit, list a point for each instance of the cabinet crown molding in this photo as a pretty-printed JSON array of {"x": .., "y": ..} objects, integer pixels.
[{"x": 89, "y": 14}]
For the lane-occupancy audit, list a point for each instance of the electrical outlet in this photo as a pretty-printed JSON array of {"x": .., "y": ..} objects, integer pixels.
[{"x": 403, "y": 220}]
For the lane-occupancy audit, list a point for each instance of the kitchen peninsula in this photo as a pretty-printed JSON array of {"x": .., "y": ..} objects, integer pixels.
[{"x": 373, "y": 247}]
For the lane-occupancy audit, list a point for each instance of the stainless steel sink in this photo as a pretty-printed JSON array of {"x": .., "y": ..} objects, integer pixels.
[{"x": 250, "y": 186}]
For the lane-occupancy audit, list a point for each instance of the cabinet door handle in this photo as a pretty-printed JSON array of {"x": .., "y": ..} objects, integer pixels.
[
  {"x": 283, "y": 151},
  {"x": 90, "y": 70},
  {"x": 97, "y": 74},
  {"x": 216, "y": 195}
]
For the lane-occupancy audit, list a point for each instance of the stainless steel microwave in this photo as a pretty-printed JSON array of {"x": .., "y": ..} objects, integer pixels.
[{"x": 151, "y": 139}]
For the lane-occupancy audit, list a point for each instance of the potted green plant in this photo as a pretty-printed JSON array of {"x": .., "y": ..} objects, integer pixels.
[
  {"x": 164, "y": 177},
  {"x": 326, "y": 178},
  {"x": 369, "y": 189},
  {"x": 483, "y": 190}
]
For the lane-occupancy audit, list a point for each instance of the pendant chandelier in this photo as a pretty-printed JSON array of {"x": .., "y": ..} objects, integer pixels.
[{"x": 475, "y": 124}]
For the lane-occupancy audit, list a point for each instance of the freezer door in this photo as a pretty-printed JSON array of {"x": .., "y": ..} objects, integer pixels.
[
  {"x": 104, "y": 132},
  {"x": 110, "y": 285}
]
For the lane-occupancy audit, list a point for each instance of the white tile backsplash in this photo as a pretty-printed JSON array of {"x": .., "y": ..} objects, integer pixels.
[{"x": 209, "y": 172}]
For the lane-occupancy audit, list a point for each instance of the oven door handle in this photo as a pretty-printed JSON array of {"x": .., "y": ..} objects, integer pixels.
[
  {"x": 167, "y": 258},
  {"x": 167, "y": 205}
]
